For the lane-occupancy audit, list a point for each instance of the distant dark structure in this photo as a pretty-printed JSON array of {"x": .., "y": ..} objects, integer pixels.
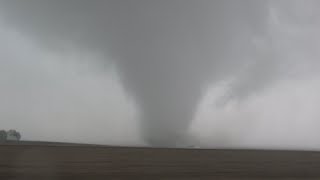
[
  {"x": 11, "y": 135},
  {"x": 3, "y": 136}
]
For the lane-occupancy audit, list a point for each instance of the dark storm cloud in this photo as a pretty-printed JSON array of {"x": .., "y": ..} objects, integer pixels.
[{"x": 167, "y": 52}]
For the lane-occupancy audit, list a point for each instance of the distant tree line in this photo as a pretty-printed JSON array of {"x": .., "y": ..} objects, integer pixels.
[{"x": 11, "y": 135}]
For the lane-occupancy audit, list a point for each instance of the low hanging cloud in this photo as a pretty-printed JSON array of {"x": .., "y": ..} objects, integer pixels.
[
  {"x": 271, "y": 105},
  {"x": 285, "y": 116}
]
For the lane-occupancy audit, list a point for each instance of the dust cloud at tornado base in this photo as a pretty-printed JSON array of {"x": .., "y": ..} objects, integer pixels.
[{"x": 168, "y": 53}]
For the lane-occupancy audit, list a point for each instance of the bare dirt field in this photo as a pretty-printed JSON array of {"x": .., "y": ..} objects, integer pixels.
[{"x": 31, "y": 160}]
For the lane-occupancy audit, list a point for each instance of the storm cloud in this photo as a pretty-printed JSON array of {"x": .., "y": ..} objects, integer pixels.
[{"x": 168, "y": 53}]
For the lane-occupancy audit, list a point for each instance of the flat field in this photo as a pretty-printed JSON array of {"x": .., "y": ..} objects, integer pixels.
[{"x": 54, "y": 161}]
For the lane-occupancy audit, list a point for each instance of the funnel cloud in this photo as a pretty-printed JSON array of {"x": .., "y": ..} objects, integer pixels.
[{"x": 167, "y": 53}]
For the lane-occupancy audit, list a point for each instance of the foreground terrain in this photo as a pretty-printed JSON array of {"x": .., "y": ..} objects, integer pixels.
[{"x": 32, "y": 160}]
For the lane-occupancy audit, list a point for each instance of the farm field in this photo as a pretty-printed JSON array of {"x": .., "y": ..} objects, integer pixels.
[{"x": 41, "y": 160}]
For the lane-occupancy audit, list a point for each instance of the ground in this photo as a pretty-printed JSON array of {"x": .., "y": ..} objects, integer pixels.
[{"x": 41, "y": 160}]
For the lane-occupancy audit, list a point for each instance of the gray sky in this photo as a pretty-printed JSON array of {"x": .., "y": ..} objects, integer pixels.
[
  {"x": 61, "y": 96},
  {"x": 247, "y": 72}
]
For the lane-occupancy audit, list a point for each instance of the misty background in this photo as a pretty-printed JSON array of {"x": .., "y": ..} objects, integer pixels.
[{"x": 235, "y": 74}]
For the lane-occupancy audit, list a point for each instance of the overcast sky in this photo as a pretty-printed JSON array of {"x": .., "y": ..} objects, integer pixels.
[{"x": 59, "y": 84}]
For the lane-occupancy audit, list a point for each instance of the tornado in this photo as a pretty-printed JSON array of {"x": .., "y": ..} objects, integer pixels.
[{"x": 167, "y": 52}]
